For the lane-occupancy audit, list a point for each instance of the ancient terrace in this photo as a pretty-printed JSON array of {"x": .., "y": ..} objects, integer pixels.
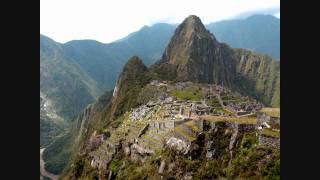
[{"x": 176, "y": 113}]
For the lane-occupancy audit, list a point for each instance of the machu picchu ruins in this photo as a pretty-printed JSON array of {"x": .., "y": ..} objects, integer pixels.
[{"x": 185, "y": 111}]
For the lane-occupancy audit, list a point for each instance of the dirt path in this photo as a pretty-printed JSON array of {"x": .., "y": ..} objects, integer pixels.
[{"x": 43, "y": 170}]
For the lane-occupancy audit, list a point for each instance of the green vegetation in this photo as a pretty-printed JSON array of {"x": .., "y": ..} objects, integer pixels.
[
  {"x": 193, "y": 94},
  {"x": 273, "y": 112},
  {"x": 56, "y": 155},
  {"x": 194, "y": 127},
  {"x": 46, "y": 178},
  {"x": 149, "y": 93},
  {"x": 250, "y": 162},
  {"x": 127, "y": 169},
  {"x": 214, "y": 103},
  {"x": 250, "y": 158},
  {"x": 224, "y": 111},
  {"x": 271, "y": 133},
  {"x": 258, "y": 77},
  {"x": 180, "y": 130},
  {"x": 49, "y": 131},
  {"x": 133, "y": 78},
  {"x": 83, "y": 170},
  {"x": 260, "y": 33},
  {"x": 240, "y": 120},
  {"x": 63, "y": 81}
]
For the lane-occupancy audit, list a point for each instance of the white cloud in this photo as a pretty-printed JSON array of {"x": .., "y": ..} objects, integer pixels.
[{"x": 109, "y": 20}]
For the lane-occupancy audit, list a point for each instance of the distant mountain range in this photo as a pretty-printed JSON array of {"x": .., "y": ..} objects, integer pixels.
[
  {"x": 260, "y": 33},
  {"x": 75, "y": 73}
]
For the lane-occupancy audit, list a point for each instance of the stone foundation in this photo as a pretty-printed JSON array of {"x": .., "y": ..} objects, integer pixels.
[{"x": 269, "y": 141}]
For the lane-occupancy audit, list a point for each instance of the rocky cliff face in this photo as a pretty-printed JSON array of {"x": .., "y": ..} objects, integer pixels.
[
  {"x": 260, "y": 76},
  {"x": 195, "y": 55}
]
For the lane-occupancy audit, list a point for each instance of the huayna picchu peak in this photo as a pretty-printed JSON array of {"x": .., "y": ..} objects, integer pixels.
[
  {"x": 203, "y": 111},
  {"x": 194, "y": 55}
]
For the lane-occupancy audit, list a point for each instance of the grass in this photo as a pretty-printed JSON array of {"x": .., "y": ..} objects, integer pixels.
[
  {"x": 240, "y": 120},
  {"x": 192, "y": 126},
  {"x": 225, "y": 111},
  {"x": 214, "y": 103},
  {"x": 270, "y": 133},
  {"x": 179, "y": 130},
  {"x": 188, "y": 94},
  {"x": 273, "y": 112}
]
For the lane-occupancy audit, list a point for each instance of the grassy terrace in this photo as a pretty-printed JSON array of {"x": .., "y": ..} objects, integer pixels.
[
  {"x": 180, "y": 131},
  {"x": 273, "y": 112},
  {"x": 192, "y": 94},
  {"x": 226, "y": 111},
  {"x": 192, "y": 126},
  {"x": 241, "y": 120},
  {"x": 270, "y": 133},
  {"x": 214, "y": 103}
]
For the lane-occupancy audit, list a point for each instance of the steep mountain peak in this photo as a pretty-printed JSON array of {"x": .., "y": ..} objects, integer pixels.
[
  {"x": 134, "y": 63},
  {"x": 193, "y": 22},
  {"x": 132, "y": 70},
  {"x": 190, "y": 40},
  {"x": 132, "y": 78},
  {"x": 192, "y": 52},
  {"x": 192, "y": 26}
]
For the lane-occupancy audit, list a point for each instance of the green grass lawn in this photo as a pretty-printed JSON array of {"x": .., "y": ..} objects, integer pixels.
[
  {"x": 273, "y": 112},
  {"x": 179, "y": 130},
  {"x": 188, "y": 94},
  {"x": 241, "y": 120},
  {"x": 269, "y": 132}
]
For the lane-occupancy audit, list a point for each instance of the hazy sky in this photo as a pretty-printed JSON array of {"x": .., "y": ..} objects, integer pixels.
[{"x": 109, "y": 20}]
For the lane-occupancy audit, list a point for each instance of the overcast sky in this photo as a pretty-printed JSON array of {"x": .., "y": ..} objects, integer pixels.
[{"x": 109, "y": 20}]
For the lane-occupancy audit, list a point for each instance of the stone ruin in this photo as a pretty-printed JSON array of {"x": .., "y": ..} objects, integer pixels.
[
  {"x": 202, "y": 109},
  {"x": 243, "y": 107},
  {"x": 140, "y": 112},
  {"x": 264, "y": 120},
  {"x": 262, "y": 117},
  {"x": 166, "y": 125},
  {"x": 178, "y": 144},
  {"x": 269, "y": 141}
]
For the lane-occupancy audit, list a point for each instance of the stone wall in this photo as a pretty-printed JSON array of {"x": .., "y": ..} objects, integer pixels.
[
  {"x": 275, "y": 120},
  {"x": 161, "y": 125},
  {"x": 262, "y": 117},
  {"x": 247, "y": 127},
  {"x": 269, "y": 141},
  {"x": 170, "y": 124},
  {"x": 240, "y": 127}
]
